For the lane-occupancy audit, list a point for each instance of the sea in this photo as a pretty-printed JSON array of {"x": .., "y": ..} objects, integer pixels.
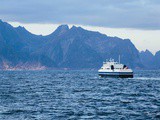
[{"x": 78, "y": 95}]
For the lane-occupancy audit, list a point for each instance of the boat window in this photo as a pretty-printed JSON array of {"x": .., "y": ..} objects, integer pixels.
[{"x": 112, "y": 67}]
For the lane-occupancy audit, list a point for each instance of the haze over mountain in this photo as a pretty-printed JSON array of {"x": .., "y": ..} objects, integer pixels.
[{"x": 74, "y": 48}]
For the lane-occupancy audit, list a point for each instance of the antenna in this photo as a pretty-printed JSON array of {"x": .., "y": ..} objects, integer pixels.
[{"x": 119, "y": 58}]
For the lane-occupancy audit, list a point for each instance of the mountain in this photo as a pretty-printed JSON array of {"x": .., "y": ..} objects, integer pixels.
[
  {"x": 157, "y": 60},
  {"x": 18, "y": 47},
  {"x": 147, "y": 59},
  {"x": 74, "y": 48}
]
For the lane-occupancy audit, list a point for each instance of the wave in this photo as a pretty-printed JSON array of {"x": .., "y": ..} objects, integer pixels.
[{"x": 145, "y": 78}]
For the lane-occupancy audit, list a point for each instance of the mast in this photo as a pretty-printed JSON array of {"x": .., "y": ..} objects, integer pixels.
[{"x": 119, "y": 58}]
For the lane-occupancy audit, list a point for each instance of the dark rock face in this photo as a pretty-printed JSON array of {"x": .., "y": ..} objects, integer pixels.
[{"x": 74, "y": 48}]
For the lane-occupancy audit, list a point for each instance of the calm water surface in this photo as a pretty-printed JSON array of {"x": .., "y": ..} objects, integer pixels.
[{"x": 52, "y": 95}]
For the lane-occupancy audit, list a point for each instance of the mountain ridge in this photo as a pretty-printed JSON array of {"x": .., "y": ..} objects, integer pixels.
[{"x": 72, "y": 48}]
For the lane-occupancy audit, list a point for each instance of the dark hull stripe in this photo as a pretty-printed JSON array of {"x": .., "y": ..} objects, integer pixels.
[
  {"x": 116, "y": 76},
  {"x": 115, "y": 72}
]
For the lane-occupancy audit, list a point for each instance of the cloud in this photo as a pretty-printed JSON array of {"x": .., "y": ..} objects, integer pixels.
[{"x": 139, "y": 14}]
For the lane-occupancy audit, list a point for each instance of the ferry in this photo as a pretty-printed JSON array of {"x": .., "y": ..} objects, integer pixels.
[{"x": 111, "y": 68}]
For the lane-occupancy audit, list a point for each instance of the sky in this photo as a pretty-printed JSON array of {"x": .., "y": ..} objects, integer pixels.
[{"x": 138, "y": 20}]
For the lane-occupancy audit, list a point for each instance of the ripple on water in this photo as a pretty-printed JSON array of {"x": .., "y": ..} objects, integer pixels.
[{"x": 78, "y": 95}]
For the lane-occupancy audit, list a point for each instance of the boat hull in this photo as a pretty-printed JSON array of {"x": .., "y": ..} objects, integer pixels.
[{"x": 116, "y": 74}]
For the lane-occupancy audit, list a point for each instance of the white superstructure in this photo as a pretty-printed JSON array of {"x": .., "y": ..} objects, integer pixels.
[{"x": 111, "y": 68}]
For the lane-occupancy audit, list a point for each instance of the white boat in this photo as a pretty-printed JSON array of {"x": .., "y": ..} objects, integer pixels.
[{"x": 111, "y": 68}]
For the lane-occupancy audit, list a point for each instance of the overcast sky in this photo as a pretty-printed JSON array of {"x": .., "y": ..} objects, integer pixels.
[{"x": 113, "y": 16}]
